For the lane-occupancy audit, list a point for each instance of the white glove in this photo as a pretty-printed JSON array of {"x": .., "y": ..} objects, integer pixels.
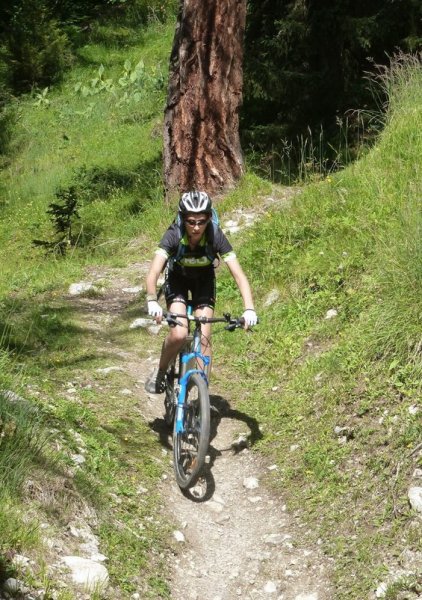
[
  {"x": 154, "y": 309},
  {"x": 250, "y": 317}
]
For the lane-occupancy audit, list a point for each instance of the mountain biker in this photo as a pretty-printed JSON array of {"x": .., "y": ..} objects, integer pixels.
[{"x": 189, "y": 248}]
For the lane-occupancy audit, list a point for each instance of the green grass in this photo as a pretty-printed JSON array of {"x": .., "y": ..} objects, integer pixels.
[
  {"x": 106, "y": 145},
  {"x": 351, "y": 243}
]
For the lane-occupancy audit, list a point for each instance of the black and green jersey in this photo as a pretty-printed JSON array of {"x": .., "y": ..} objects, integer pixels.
[{"x": 193, "y": 263}]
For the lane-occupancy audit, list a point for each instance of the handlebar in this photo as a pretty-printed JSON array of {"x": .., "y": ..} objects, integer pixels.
[{"x": 232, "y": 322}]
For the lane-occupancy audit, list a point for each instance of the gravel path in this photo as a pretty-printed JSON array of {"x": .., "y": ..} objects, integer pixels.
[{"x": 234, "y": 536}]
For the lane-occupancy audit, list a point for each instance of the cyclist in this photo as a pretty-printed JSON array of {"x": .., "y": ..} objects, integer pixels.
[{"x": 190, "y": 247}]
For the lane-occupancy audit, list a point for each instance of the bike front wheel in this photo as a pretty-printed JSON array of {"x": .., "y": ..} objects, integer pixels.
[
  {"x": 190, "y": 445},
  {"x": 170, "y": 396}
]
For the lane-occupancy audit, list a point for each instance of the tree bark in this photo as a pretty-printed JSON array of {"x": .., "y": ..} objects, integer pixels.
[{"x": 201, "y": 123}]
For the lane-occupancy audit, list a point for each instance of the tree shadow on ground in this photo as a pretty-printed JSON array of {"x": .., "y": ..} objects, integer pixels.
[{"x": 204, "y": 488}]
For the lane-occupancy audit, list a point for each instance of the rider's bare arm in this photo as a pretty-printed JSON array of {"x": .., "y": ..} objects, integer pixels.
[
  {"x": 157, "y": 265},
  {"x": 242, "y": 283}
]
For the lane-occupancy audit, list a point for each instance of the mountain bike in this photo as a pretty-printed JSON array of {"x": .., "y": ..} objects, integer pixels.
[{"x": 187, "y": 403}]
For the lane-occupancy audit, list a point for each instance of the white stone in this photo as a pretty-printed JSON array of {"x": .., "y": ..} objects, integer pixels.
[
  {"x": 313, "y": 596},
  {"x": 132, "y": 290},
  {"x": 154, "y": 329},
  {"x": 218, "y": 499},
  {"x": 413, "y": 410},
  {"x": 11, "y": 396},
  {"x": 13, "y": 585},
  {"x": 250, "y": 483},
  {"x": 242, "y": 440},
  {"x": 415, "y": 498},
  {"x": 76, "y": 289},
  {"x": 270, "y": 587},
  {"x": 78, "y": 459},
  {"x": 275, "y": 539},
  {"x": 20, "y": 561},
  {"x": 88, "y": 573},
  {"x": 271, "y": 298},
  {"x": 254, "y": 499},
  {"x": 215, "y": 506},
  {"x": 272, "y": 468},
  {"x": 178, "y": 536},
  {"x": 98, "y": 557},
  {"x": 140, "y": 322},
  {"x": 107, "y": 370},
  {"x": 331, "y": 314},
  {"x": 381, "y": 590},
  {"x": 233, "y": 229}
]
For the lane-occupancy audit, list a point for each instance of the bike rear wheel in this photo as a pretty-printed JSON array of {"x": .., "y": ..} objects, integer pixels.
[{"x": 190, "y": 446}]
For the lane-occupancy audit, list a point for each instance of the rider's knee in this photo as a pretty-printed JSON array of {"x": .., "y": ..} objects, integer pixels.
[{"x": 178, "y": 334}]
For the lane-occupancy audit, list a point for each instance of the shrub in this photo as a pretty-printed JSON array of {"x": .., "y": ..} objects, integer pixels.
[
  {"x": 141, "y": 11},
  {"x": 38, "y": 52},
  {"x": 63, "y": 214},
  {"x": 7, "y": 120}
]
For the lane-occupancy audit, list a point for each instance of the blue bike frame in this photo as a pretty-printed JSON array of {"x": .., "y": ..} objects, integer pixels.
[{"x": 186, "y": 357}]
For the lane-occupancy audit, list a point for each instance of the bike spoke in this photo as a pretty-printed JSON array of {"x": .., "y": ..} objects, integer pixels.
[{"x": 191, "y": 444}]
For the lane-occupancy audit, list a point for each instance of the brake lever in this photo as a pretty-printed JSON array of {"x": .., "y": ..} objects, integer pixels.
[
  {"x": 235, "y": 324},
  {"x": 172, "y": 321}
]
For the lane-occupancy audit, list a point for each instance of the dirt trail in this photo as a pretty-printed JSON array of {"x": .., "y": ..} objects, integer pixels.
[{"x": 235, "y": 537}]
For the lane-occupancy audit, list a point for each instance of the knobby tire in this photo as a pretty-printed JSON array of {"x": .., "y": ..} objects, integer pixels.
[
  {"x": 170, "y": 398},
  {"x": 190, "y": 447}
]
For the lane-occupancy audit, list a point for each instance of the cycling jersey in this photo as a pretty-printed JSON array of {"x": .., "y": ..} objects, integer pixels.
[{"x": 195, "y": 262}]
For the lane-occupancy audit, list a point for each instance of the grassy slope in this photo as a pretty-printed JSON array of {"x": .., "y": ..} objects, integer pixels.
[
  {"x": 351, "y": 243},
  {"x": 109, "y": 148}
]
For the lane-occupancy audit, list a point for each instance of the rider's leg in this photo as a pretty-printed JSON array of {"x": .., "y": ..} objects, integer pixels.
[
  {"x": 175, "y": 338},
  {"x": 203, "y": 298},
  {"x": 156, "y": 382},
  {"x": 206, "y": 347}
]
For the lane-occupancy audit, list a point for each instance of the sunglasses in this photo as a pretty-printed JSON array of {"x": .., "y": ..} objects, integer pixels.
[{"x": 194, "y": 222}]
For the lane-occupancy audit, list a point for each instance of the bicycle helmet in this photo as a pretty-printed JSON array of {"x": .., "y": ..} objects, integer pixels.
[{"x": 195, "y": 202}]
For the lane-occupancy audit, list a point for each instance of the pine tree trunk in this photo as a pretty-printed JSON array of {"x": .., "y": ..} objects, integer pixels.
[{"x": 201, "y": 126}]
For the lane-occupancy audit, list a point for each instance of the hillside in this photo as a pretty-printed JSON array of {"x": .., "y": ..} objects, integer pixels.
[{"x": 331, "y": 375}]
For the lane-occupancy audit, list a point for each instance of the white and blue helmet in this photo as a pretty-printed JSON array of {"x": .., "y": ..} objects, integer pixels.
[{"x": 195, "y": 202}]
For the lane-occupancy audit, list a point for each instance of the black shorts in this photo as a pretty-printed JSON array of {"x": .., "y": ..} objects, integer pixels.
[{"x": 202, "y": 289}]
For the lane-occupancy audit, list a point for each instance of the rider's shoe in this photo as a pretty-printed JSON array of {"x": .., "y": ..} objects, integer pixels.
[{"x": 156, "y": 382}]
